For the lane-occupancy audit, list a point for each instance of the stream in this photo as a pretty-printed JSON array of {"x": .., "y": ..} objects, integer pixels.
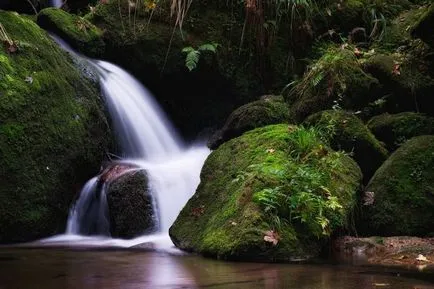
[{"x": 77, "y": 267}]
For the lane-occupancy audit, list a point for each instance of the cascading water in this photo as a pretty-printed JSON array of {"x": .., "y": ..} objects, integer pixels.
[
  {"x": 147, "y": 140},
  {"x": 56, "y": 3}
]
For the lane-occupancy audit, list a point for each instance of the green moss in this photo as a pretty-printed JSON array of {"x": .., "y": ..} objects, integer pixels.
[
  {"x": 77, "y": 31},
  {"x": 336, "y": 79},
  {"x": 52, "y": 132},
  {"x": 349, "y": 133},
  {"x": 268, "y": 110},
  {"x": 403, "y": 202},
  {"x": 395, "y": 129},
  {"x": 223, "y": 220}
]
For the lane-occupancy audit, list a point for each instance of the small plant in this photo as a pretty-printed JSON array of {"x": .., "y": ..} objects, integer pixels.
[{"x": 193, "y": 55}]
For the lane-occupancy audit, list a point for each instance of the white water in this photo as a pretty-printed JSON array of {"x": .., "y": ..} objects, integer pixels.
[
  {"x": 56, "y": 3},
  {"x": 147, "y": 140}
]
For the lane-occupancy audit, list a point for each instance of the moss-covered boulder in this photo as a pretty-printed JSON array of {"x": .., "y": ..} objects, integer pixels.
[
  {"x": 347, "y": 132},
  {"x": 423, "y": 27},
  {"x": 53, "y": 133},
  {"x": 395, "y": 129},
  {"x": 131, "y": 206},
  {"x": 406, "y": 82},
  {"x": 273, "y": 194},
  {"x": 399, "y": 199},
  {"x": 268, "y": 110},
  {"x": 75, "y": 30},
  {"x": 335, "y": 80}
]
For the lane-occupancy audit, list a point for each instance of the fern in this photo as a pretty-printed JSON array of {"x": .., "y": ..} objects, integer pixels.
[{"x": 193, "y": 55}]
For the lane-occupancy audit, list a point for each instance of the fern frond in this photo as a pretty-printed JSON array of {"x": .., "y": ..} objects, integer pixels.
[{"x": 192, "y": 59}]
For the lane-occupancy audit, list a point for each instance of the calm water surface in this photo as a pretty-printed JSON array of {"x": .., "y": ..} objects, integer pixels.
[{"x": 84, "y": 268}]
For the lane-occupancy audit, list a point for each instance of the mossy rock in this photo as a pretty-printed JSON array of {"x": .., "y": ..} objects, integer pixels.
[
  {"x": 130, "y": 204},
  {"x": 336, "y": 79},
  {"x": 226, "y": 218},
  {"x": 345, "y": 15},
  {"x": 75, "y": 30},
  {"x": 350, "y": 134},
  {"x": 53, "y": 132},
  {"x": 405, "y": 82},
  {"x": 424, "y": 26},
  {"x": 395, "y": 129},
  {"x": 399, "y": 198},
  {"x": 268, "y": 110}
]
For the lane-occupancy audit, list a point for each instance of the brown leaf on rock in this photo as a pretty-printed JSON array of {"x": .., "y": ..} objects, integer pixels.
[{"x": 272, "y": 237}]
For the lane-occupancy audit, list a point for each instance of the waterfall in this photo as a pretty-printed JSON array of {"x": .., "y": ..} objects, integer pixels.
[
  {"x": 147, "y": 140},
  {"x": 56, "y": 3}
]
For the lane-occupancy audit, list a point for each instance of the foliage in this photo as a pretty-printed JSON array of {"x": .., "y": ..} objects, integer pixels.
[
  {"x": 305, "y": 198},
  {"x": 193, "y": 55},
  {"x": 335, "y": 79}
]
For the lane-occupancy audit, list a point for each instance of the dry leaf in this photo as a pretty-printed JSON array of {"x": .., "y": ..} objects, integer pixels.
[
  {"x": 270, "y": 151},
  {"x": 272, "y": 237},
  {"x": 422, "y": 258}
]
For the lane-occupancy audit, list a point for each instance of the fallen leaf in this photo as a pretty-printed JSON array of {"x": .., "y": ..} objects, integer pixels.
[
  {"x": 270, "y": 151},
  {"x": 381, "y": 284},
  {"x": 272, "y": 237}
]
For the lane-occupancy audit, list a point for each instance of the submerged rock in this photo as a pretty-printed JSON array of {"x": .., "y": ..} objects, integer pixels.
[
  {"x": 349, "y": 133},
  {"x": 53, "y": 132},
  {"x": 395, "y": 129},
  {"x": 252, "y": 201},
  {"x": 130, "y": 203},
  {"x": 399, "y": 199},
  {"x": 267, "y": 110}
]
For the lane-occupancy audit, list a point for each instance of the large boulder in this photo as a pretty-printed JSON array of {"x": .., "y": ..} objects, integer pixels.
[
  {"x": 395, "y": 129},
  {"x": 347, "y": 132},
  {"x": 53, "y": 132},
  {"x": 268, "y": 110},
  {"x": 131, "y": 205},
  {"x": 75, "y": 30},
  {"x": 273, "y": 194},
  {"x": 399, "y": 199}
]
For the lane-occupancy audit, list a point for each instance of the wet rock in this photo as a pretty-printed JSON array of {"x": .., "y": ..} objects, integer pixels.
[{"x": 131, "y": 205}]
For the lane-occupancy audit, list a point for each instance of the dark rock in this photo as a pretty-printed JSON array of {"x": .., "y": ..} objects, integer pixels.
[
  {"x": 424, "y": 27},
  {"x": 131, "y": 205}
]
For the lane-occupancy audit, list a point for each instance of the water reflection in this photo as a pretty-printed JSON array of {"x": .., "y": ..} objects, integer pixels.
[{"x": 79, "y": 268}]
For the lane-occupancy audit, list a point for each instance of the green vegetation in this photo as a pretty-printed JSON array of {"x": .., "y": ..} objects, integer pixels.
[
  {"x": 268, "y": 110},
  {"x": 266, "y": 185},
  {"x": 53, "y": 133},
  {"x": 334, "y": 80},
  {"x": 75, "y": 30},
  {"x": 193, "y": 55},
  {"x": 396, "y": 129},
  {"x": 347, "y": 132}
]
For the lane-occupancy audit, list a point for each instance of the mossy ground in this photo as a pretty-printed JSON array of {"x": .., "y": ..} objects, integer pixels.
[
  {"x": 53, "y": 133},
  {"x": 223, "y": 220},
  {"x": 403, "y": 202}
]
